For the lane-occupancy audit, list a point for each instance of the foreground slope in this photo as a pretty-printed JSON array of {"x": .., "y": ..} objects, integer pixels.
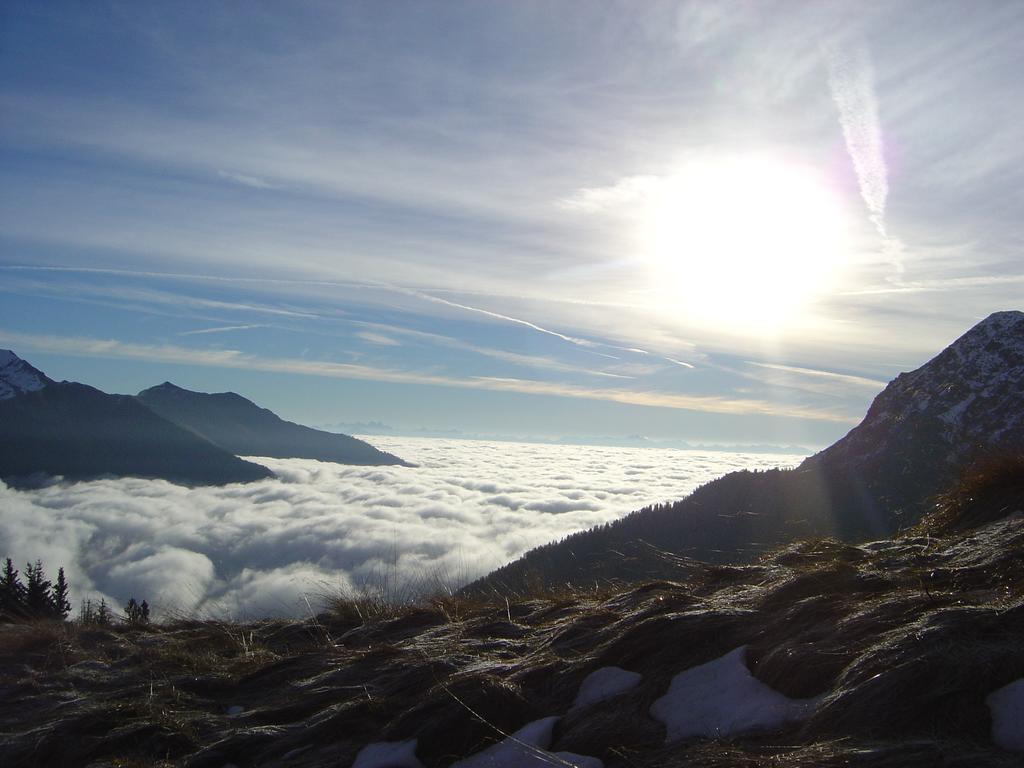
[
  {"x": 902, "y": 652},
  {"x": 965, "y": 404},
  {"x": 241, "y": 427}
]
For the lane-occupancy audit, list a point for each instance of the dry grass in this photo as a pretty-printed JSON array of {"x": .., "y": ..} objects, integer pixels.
[
  {"x": 41, "y": 636},
  {"x": 989, "y": 490}
]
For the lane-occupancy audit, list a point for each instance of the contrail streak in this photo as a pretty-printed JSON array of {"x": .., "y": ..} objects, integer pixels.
[
  {"x": 851, "y": 80},
  {"x": 591, "y": 346}
]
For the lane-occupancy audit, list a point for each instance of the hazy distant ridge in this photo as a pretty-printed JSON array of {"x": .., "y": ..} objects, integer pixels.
[
  {"x": 241, "y": 427},
  {"x": 78, "y": 432}
]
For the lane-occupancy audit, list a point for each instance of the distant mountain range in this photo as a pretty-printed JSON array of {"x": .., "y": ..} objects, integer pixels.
[
  {"x": 77, "y": 432},
  {"x": 965, "y": 405},
  {"x": 243, "y": 428},
  {"x": 616, "y": 441}
]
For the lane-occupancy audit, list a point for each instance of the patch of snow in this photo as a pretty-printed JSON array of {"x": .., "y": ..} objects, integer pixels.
[
  {"x": 953, "y": 415},
  {"x": 721, "y": 698},
  {"x": 605, "y": 683},
  {"x": 17, "y": 376},
  {"x": 1007, "y": 707},
  {"x": 388, "y": 754},
  {"x": 526, "y": 748}
]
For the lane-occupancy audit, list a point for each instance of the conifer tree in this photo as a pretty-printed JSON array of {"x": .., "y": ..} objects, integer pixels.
[
  {"x": 135, "y": 613},
  {"x": 95, "y": 614},
  {"x": 87, "y": 612},
  {"x": 12, "y": 593},
  {"x": 38, "y": 599},
  {"x": 59, "y": 597},
  {"x": 103, "y": 613}
]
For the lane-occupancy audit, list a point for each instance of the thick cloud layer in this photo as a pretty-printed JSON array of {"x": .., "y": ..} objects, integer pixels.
[{"x": 268, "y": 547}]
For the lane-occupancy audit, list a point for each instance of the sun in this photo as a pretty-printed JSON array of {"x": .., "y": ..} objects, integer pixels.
[{"x": 744, "y": 242}]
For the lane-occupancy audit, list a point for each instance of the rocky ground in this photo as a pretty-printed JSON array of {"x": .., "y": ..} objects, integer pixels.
[{"x": 897, "y": 644}]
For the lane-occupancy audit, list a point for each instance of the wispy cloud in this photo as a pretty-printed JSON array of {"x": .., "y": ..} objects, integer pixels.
[
  {"x": 360, "y": 289},
  {"x": 235, "y": 359},
  {"x": 588, "y": 344},
  {"x": 852, "y": 82},
  {"x": 121, "y": 294},
  {"x": 221, "y": 329},
  {"x": 939, "y": 285},
  {"x": 845, "y": 378},
  {"x": 245, "y": 180},
  {"x": 623, "y": 192},
  {"x": 516, "y": 358},
  {"x": 507, "y": 318},
  {"x": 378, "y": 339}
]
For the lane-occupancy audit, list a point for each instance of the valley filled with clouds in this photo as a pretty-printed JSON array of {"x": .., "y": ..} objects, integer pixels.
[{"x": 319, "y": 529}]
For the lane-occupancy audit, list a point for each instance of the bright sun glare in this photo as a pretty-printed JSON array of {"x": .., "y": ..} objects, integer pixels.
[{"x": 746, "y": 242}]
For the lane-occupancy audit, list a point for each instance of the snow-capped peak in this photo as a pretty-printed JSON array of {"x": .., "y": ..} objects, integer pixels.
[
  {"x": 17, "y": 376},
  {"x": 966, "y": 397}
]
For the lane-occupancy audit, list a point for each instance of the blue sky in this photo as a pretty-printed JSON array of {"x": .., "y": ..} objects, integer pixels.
[{"x": 721, "y": 222}]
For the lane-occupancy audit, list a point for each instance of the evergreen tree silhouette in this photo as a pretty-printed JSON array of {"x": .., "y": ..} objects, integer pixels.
[
  {"x": 59, "y": 596},
  {"x": 12, "y": 593},
  {"x": 38, "y": 600},
  {"x": 135, "y": 613},
  {"x": 103, "y": 615}
]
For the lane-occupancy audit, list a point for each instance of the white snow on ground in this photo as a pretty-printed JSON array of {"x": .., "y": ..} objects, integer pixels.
[
  {"x": 388, "y": 754},
  {"x": 526, "y": 748},
  {"x": 1007, "y": 706},
  {"x": 721, "y": 698},
  {"x": 605, "y": 683},
  {"x": 954, "y": 415}
]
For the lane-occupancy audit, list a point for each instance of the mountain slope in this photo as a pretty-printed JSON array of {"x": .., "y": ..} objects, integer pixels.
[
  {"x": 79, "y": 432},
  {"x": 18, "y": 377},
  {"x": 965, "y": 404},
  {"x": 243, "y": 428}
]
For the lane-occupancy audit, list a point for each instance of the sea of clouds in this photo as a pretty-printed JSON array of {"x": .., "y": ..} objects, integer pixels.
[{"x": 279, "y": 546}]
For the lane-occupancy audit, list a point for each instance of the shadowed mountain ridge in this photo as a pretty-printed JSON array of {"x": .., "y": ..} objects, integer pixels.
[
  {"x": 78, "y": 432},
  {"x": 243, "y": 428}
]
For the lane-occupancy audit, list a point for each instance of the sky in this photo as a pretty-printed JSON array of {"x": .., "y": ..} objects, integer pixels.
[
  {"x": 318, "y": 529},
  {"x": 717, "y": 222}
]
